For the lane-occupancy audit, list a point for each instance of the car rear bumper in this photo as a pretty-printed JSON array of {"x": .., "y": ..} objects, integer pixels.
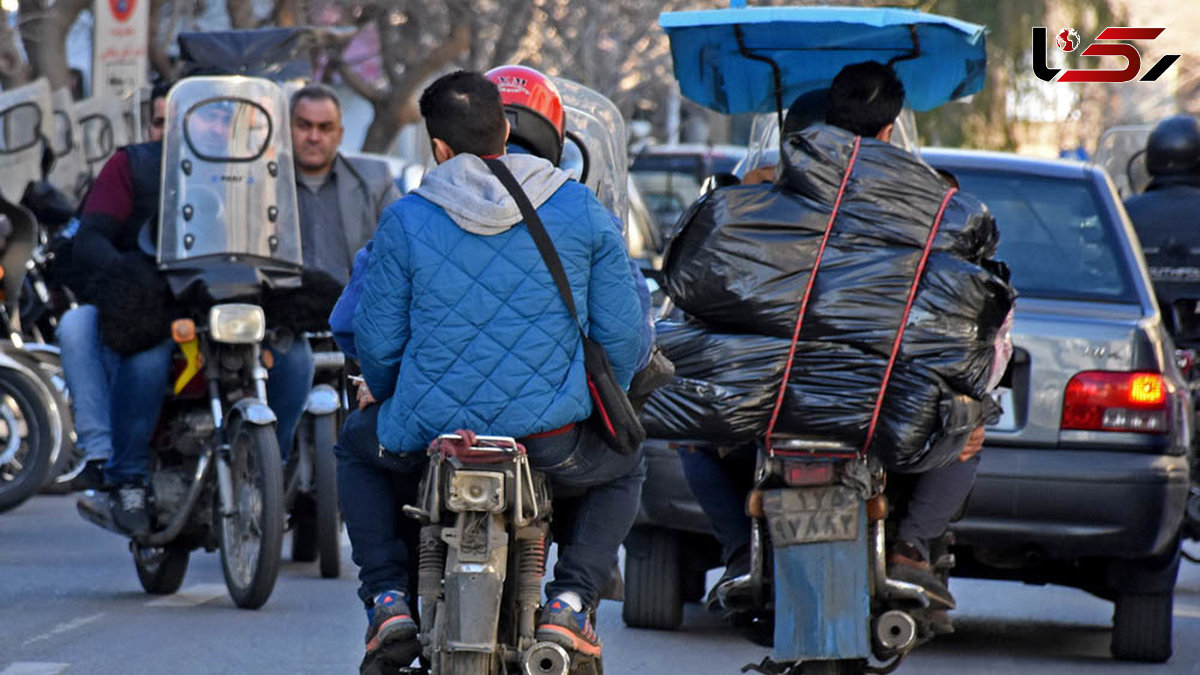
[
  {"x": 1075, "y": 503},
  {"x": 666, "y": 499}
]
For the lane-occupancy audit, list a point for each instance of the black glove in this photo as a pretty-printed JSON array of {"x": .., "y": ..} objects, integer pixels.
[
  {"x": 134, "y": 302},
  {"x": 306, "y": 308}
]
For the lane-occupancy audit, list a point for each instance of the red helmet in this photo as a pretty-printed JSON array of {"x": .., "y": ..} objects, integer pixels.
[{"x": 534, "y": 109}]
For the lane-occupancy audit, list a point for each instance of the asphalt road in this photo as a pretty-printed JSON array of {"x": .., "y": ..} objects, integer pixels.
[{"x": 70, "y": 603}]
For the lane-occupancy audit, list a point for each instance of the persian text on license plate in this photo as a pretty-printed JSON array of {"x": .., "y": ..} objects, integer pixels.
[{"x": 806, "y": 515}]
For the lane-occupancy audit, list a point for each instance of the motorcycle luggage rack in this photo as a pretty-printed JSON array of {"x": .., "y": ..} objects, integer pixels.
[{"x": 812, "y": 447}]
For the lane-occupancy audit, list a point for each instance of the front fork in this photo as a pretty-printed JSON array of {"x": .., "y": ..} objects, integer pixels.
[{"x": 253, "y": 362}]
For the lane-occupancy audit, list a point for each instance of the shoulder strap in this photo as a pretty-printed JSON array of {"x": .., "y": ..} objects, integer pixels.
[{"x": 538, "y": 232}]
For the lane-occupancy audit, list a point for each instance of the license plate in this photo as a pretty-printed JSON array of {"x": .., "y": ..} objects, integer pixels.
[
  {"x": 802, "y": 516},
  {"x": 1008, "y": 416}
]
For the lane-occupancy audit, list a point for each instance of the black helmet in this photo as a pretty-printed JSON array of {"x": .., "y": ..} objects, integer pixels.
[{"x": 1174, "y": 147}]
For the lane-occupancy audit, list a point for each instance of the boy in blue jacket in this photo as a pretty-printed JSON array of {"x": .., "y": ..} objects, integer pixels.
[{"x": 459, "y": 325}]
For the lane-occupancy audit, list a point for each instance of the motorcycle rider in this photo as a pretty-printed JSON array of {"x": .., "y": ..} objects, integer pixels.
[
  {"x": 1171, "y": 198},
  {"x": 372, "y": 484},
  {"x": 866, "y": 99},
  {"x": 126, "y": 322},
  {"x": 533, "y": 386}
]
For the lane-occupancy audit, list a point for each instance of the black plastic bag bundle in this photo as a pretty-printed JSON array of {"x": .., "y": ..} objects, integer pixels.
[
  {"x": 740, "y": 263},
  {"x": 724, "y": 388}
]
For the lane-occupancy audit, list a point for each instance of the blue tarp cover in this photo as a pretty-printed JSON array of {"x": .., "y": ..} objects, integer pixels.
[{"x": 811, "y": 44}]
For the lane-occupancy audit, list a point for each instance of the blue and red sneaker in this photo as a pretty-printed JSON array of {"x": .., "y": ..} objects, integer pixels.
[
  {"x": 391, "y": 622},
  {"x": 569, "y": 629}
]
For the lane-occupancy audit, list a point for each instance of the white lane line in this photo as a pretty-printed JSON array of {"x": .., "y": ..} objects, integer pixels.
[
  {"x": 63, "y": 628},
  {"x": 191, "y": 596},
  {"x": 1184, "y": 611},
  {"x": 32, "y": 668}
]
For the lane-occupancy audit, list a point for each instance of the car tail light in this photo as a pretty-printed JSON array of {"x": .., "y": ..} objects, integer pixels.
[
  {"x": 807, "y": 473},
  {"x": 1106, "y": 401}
]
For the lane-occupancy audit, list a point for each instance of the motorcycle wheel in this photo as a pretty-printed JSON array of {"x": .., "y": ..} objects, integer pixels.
[
  {"x": 329, "y": 520},
  {"x": 26, "y": 438},
  {"x": 161, "y": 570},
  {"x": 252, "y": 538},
  {"x": 467, "y": 663},
  {"x": 835, "y": 667}
]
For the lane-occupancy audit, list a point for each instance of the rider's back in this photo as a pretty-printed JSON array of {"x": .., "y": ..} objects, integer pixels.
[{"x": 485, "y": 341}]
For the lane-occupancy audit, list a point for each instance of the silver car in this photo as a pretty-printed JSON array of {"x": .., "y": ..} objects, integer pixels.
[{"x": 1084, "y": 480}]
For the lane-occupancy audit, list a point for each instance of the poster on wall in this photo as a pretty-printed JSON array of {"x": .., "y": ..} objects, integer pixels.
[{"x": 120, "y": 59}]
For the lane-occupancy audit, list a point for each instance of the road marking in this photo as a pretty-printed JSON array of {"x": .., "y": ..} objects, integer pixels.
[
  {"x": 30, "y": 668},
  {"x": 62, "y": 628},
  {"x": 190, "y": 597},
  {"x": 1184, "y": 611}
]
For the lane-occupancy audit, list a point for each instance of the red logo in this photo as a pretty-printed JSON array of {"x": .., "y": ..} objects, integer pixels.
[
  {"x": 122, "y": 9},
  {"x": 1110, "y": 42},
  {"x": 1067, "y": 40}
]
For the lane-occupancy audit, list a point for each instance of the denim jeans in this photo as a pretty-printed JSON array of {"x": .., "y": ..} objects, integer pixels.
[
  {"x": 117, "y": 427},
  {"x": 288, "y": 384},
  {"x": 596, "y": 498},
  {"x": 372, "y": 489},
  {"x": 120, "y": 428},
  {"x": 721, "y": 485},
  {"x": 934, "y": 499}
]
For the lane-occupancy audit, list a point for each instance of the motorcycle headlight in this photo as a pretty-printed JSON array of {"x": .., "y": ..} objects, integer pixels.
[{"x": 237, "y": 324}]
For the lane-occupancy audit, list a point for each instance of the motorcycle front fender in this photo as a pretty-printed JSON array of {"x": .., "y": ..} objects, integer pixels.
[
  {"x": 322, "y": 400},
  {"x": 254, "y": 411}
]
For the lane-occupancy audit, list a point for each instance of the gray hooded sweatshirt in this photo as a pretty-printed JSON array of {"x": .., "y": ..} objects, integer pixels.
[{"x": 474, "y": 198}]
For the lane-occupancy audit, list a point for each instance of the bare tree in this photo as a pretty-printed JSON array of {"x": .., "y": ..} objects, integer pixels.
[
  {"x": 44, "y": 28},
  {"x": 13, "y": 71}
]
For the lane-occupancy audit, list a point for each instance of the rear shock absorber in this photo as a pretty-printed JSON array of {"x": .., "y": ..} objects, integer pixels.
[
  {"x": 430, "y": 569},
  {"x": 531, "y": 565}
]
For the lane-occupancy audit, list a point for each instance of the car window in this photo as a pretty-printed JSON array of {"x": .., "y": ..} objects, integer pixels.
[{"x": 1054, "y": 236}]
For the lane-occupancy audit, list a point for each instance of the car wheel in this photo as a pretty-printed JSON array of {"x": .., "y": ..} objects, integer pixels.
[
  {"x": 1142, "y": 627},
  {"x": 653, "y": 580}
]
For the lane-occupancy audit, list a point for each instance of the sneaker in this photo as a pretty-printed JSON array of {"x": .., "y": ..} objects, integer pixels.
[
  {"x": 906, "y": 563},
  {"x": 392, "y": 627},
  {"x": 91, "y": 477},
  {"x": 567, "y": 628},
  {"x": 129, "y": 509}
]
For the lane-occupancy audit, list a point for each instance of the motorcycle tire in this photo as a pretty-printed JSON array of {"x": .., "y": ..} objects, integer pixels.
[
  {"x": 70, "y": 459},
  {"x": 252, "y": 538},
  {"x": 328, "y": 518},
  {"x": 467, "y": 663},
  {"x": 161, "y": 570},
  {"x": 835, "y": 667},
  {"x": 23, "y": 405}
]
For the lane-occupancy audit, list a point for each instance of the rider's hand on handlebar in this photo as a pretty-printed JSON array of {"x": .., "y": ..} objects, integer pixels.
[
  {"x": 973, "y": 446},
  {"x": 364, "y": 395}
]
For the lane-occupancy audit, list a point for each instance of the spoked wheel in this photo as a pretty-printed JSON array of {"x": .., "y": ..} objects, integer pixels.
[
  {"x": 26, "y": 437},
  {"x": 329, "y": 520},
  {"x": 161, "y": 570},
  {"x": 252, "y": 536}
]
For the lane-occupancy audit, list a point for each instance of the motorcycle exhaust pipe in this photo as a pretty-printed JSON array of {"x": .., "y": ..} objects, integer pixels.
[
  {"x": 545, "y": 658},
  {"x": 895, "y": 631}
]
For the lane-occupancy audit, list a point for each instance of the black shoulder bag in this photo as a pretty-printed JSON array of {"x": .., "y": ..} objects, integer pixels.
[{"x": 613, "y": 416}]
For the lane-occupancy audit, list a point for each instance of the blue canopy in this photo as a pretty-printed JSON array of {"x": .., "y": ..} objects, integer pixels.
[{"x": 723, "y": 57}]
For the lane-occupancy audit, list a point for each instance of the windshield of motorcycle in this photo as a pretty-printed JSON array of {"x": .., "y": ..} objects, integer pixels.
[
  {"x": 764, "y": 140},
  {"x": 594, "y": 149},
  {"x": 70, "y": 173},
  {"x": 24, "y": 122},
  {"x": 102, "y": 126},
  {"x": 1122, "y": 153},
  {"x": 229, "y": 188}
]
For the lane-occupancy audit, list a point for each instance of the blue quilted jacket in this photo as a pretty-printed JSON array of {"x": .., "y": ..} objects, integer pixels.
[{"x": 460, "y": 324}]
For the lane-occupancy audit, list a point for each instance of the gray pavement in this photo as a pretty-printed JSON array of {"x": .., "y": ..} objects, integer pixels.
[{"x": 70, "y": 603}]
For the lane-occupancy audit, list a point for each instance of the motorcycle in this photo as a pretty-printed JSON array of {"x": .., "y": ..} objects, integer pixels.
[
  {"x": 485, "y": 517},
  {"x": 228, "y": 232},
  {"x": 818, "y": 589},
  {"x": 820, "y": 506},
  {"x": 311, "y": 492}
]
